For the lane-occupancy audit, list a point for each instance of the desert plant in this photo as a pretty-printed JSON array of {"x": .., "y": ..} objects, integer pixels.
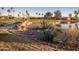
[
  {"x": 58, "y": 14},
  {"x": 46, "y": 25},
  {"x": 46, "y": 34},
  {"x": 50, "y": 33},
  {"x": 48, "y": 15}
]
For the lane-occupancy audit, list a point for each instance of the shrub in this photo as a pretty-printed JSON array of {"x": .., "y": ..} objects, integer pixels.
[
  {"x": 50, "y": 33},
  {"x": 46, "y": 36},
  {"x": 46, "y": 25}
]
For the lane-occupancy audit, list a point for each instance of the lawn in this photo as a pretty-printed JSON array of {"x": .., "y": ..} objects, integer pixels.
[
  {"x": 6, "y": 36},
  {"x": 11, "y": 21}
]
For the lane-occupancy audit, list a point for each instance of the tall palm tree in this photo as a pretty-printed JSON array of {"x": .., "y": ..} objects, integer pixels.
[
  {"x": 58, "y": 14},
  {"x": 48, "y": 15},
  {"x": 36, "y": 13},
  {"x": 28, "y": 15},
  {"x": 20, "y": 14},
  {"x": 1, "y": 11},
  {"x": 13, "y": 11},
  {"x": 9, "y": 13},
  {"x": 39, "y": 14},
  {"x": 23, "y": 15},
  {"x": 76, "y": 14},
  {"x": 76, "y": 25},
  {"x": 42, "y": 14},
  {"x": 11, "y": 8},
  {"x": 70, "y": 16}
]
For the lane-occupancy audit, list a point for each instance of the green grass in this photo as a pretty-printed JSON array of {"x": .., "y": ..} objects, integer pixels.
[
  {"x": 6, "y": 36},
  {"x": 11, "y": 21}
]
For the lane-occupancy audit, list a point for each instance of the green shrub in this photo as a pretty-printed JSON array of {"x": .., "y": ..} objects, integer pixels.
[
  {"x": 46, "y": 36},
  {"x": 46, "y": 25},
  {"x": 50, "y": 33}
]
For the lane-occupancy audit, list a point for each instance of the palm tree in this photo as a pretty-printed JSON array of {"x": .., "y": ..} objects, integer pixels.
[
  {"x": 11, "y": 8},
  {"x": 58, "y": 14},
  {"x": 39, "y": 14},
  {"x": 9, "y": 13},
  {"x": 48, "y": 15},
  {"x": 42, "y": 14},
  {"x": 28, "y": 15},
  {"x": 36, "y": 13},
  {"x": 76, "y": 14},
  {"x": 76, "y": 25},
  {"x": 70, "y": 16},
  {"x": 13, "y": 11},
  {"x": 1, "y": 11},
  {"x": 19, "y": 14},
  {"x": 23, "y": 15},
  {"x": 69, "y": 23}
]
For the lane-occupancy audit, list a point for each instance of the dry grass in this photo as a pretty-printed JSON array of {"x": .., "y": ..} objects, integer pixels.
[
  {"x": 12, "y": 42},
  {"x": 71, "y": 44},
  {"x": 14, "y": 46},
  {"x": 73, "y": 39}
]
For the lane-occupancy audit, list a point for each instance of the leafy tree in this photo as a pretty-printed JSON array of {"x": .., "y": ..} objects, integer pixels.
[
  {"x": 1, "y": 11},
  {"x": 58, "y": 14},
  {"x": 48, "y": 15},
  {"x": 28, "y": 15},
  {"x": 9, "y": 11},
  {"x": 76, "y": 14},
  {"x": 36, "y": 13},
  {"x": 70, "y": 15}
]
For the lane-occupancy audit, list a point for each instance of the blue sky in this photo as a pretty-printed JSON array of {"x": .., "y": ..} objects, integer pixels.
[{"x": 32, "y": 10}]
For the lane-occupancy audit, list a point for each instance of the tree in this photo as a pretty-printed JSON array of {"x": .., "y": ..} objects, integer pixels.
[
  {"x": 76, "y": 14},
  {"x": 70, "y": 15},
  {"x": 11, "y": 8},
  {"x": 13, "y": 11},
  {"x": 36, "y": 13},
  {"x": 9, "y": 12},
  {"x": 58, "y": 14},
  {"x": 1, "y": 11},
  {"x": 39, "y": 14},
  {"x": 42, "y": 14},
  {"x": 23, "y": 15},
  {"x": 48, "y": 15},
  {"x": 27, "y": 13}
]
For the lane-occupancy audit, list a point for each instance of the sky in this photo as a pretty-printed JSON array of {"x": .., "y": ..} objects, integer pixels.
[{"x": 33, "y": 10}]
